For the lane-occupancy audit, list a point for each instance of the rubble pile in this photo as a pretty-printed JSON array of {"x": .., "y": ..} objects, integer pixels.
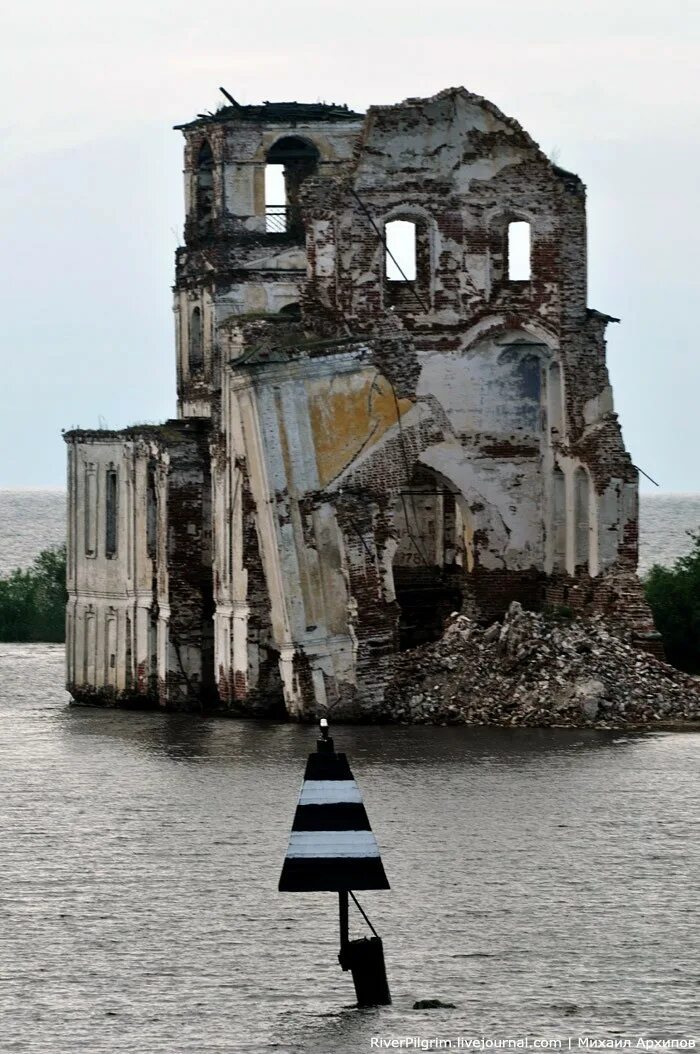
[{"x": 536, "y": 670}]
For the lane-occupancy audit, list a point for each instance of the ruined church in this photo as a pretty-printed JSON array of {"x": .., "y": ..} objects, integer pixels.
[{"x": 392, "y": 404}]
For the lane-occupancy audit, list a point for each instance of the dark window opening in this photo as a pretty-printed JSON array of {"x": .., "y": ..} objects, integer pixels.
[
  {"x": 196, "y": 343},
  {"x": 111, "y": 510},
  {"x": 128, "y": 672},
  {"x": 151, "y": 514},
  {"x": 429, "y": 580},
  {"x": 519, "y": 252},
  {"x": 427, "y": 598},
  {"x": 204, "y": 191},
  {"x": 90, "y": 511},
  {"x": 291, "y": 310},
  {"x": 289, "y": 162},
  {"x": 153, "y": 654}
]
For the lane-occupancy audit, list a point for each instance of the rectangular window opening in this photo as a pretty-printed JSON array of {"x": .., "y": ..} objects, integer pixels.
[
  {"x": 111, "y": 497},
  {"x": 275, "y": 199},
  {"x": 400, "y": 238},
  {"x": 519, "y": 269}
]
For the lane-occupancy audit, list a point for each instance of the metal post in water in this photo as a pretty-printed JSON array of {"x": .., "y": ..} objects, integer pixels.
[{"x": 344, "y": 913}]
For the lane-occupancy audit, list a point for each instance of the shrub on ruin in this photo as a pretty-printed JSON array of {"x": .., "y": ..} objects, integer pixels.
[
  {"x": 673, "y": 594},
  {"x": 33, "y": 601}
]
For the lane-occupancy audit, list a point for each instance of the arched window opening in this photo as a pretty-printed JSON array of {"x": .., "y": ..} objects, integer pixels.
[
  {"x": 204, "y": 191},
  {"x": 519, "y": 252},
  {"x": 581, "y": 518},
  {"x": 90, "y": 505},
  {"x": 196, "y": 345},
  {"x": 289, "y": 162},
  {"x": 401, "y": 241},
  {"x": 291, "y": 310}
]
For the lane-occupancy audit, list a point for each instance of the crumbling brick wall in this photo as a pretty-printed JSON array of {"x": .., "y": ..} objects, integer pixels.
[
  {"x": 315, "y": 434},
  {"x": 140, "y": 614},
  {"x": 499, "y": 385},
  {"x": 186, "y": 562}
]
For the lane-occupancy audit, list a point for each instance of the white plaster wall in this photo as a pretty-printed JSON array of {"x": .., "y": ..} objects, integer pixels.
[
  {"x": 302, "y": 558},
  {"x": 104, "y": 591},
  {"x": 507, "y": 496},
  {"x": 495, "y": 387},
  {"x": 441, "y": 128},
  {"x": 261, "y": 295}
]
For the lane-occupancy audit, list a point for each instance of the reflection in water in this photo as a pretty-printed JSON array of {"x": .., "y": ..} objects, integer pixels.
[
  {"x": 192, "y": 738},
  {"x": 543, "y": 881}
]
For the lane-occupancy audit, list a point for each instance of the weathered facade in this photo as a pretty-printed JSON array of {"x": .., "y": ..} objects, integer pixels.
[{"x": 362, "y": 445}]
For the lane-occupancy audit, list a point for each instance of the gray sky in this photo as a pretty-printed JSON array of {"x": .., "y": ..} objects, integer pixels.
[{"x": 91, "y": 189}]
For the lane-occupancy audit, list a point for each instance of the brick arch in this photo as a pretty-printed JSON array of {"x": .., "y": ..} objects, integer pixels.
[
  {"x": 479, "y": 503},
  {"x": 501, "y": 556},
  {"x": 494, "y": 326},
  {"x": 426, "y": 555},
  {"x": 307, "y": 148}
]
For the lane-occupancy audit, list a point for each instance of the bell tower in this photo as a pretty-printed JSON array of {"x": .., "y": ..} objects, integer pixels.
[{"x": 245, "y": 244}]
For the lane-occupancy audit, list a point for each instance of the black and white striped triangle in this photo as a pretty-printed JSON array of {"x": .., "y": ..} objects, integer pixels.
[{"x": 331, "y": 846}]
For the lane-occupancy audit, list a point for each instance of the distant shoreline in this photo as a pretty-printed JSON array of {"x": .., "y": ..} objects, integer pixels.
[{"x": 33, "y": 518}]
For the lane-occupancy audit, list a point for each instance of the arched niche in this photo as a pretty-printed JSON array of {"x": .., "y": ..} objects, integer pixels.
[
  {"x": 493, "y": 387},
  {"x": 582, "y": 528},
  {"x": 558, "y": 526},
  {"x": 196, "y": 342},
  {"x": 204, "y": 189}
]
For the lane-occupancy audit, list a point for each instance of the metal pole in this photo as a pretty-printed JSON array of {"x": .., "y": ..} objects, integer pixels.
[{"x": 343, "y": 906}]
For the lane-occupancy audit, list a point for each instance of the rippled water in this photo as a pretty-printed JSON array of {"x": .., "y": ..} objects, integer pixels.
[
  {"x": 664, "y": 522},
  {"x": 546, "y": 882},
  {"x": 30, "y": 520}
]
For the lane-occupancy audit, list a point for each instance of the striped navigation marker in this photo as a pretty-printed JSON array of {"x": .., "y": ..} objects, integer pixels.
[{"x": 331, "y": 846}]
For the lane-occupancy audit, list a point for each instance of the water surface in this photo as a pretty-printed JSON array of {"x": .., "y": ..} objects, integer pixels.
[{"x": 546, "y": 882}]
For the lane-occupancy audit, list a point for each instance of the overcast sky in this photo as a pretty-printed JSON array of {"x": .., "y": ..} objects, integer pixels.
[{"x": 91, "y": 192}]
